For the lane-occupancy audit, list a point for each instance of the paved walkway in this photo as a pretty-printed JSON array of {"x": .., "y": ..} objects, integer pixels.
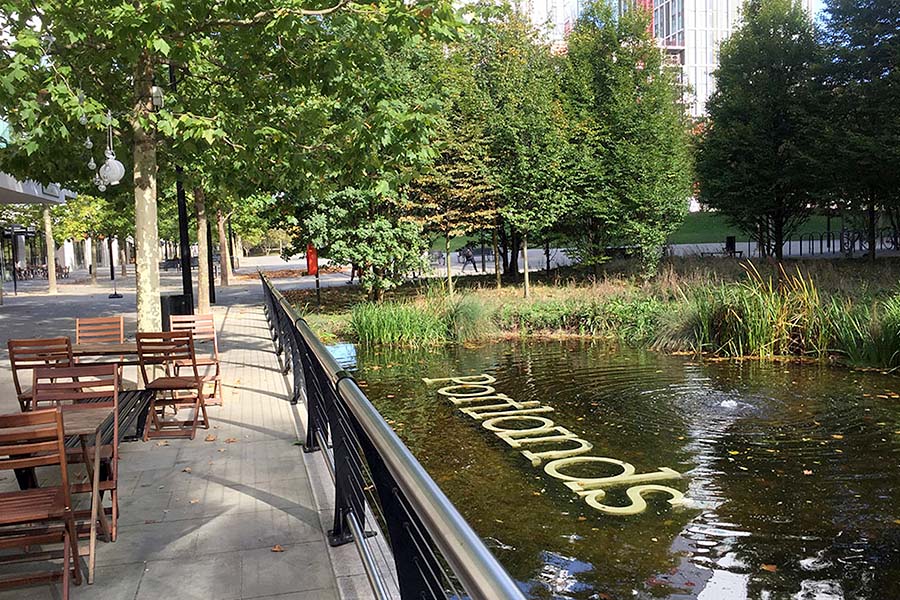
[{"x": 203, "y": 519}]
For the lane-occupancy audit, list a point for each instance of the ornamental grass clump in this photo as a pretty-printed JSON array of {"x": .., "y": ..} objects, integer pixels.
[
  {"x": 397, "y": 324},
  {"x": 761, "y": 317}
]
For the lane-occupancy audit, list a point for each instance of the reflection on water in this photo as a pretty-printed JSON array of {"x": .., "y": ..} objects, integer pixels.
[{"x": 792, "y": 471}]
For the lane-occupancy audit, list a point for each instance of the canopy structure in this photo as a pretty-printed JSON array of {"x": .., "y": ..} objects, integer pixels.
[{"x": 13, "y": 191}]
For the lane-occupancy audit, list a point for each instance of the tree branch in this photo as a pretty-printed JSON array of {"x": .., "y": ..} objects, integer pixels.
[{"x": 260, "y": 18}]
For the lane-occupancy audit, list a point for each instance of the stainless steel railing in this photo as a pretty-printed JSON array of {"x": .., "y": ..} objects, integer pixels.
[{"x": 436, "y": 553}]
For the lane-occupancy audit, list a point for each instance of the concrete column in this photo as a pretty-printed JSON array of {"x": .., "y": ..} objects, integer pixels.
[{"x": 20, "y": 250}]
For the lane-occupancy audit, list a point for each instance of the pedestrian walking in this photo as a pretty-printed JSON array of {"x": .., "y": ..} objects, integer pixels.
[{"x": 469, "y": 258}]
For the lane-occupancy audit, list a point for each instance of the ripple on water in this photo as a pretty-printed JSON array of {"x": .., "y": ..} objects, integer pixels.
[{"x": 792, "y": 477}]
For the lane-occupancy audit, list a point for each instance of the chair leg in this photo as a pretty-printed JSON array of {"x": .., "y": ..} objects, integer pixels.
[
  {"x": 196, "y": 414},
  {"x": 151, "y": 418},
  {"x": 67, "y": 557},
  {"x": 205, "y": 417},
  {"x": 114, "y": 498},
  {"x": 72, "y": 534}
]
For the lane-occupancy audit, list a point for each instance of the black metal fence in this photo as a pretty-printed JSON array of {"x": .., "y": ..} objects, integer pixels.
[
  {"x": 845, "y": 242},
  {"x": 436, "y": 554}
]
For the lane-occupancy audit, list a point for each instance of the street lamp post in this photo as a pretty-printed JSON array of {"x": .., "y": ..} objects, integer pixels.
[{"x": 187, "y": 287}]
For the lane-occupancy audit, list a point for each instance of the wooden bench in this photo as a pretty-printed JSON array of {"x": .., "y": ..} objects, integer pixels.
[{"x": 133, "y": 406}]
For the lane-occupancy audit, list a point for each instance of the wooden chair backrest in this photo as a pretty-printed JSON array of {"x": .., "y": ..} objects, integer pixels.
[
  {"x": 165, "y": 348},
  {"x": 34, "y": 439},
  {"x": 78, "y": 384},
  {"x": 43, "y": 352},
  {"x": 202, "y": 326},
  {"x": 104, "y": 330}
]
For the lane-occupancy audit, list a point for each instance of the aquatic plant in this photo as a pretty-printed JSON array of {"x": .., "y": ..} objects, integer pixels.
[
  {"x": 396, "y": 323},
  {"x": 771, "y": 311},
  {"x": 468, "y": 319}
]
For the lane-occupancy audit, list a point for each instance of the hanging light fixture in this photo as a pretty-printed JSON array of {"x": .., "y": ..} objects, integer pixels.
[{"x": 111, "y": 171}]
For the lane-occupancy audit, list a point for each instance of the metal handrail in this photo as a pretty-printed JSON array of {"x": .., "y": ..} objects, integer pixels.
[{"x": 477, "y": 570}]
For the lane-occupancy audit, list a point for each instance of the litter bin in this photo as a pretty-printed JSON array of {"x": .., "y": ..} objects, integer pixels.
[{"x": 175, "y": 304}]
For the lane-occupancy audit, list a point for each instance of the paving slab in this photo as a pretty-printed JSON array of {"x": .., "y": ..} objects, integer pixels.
[{"x": 200, "y": 518}]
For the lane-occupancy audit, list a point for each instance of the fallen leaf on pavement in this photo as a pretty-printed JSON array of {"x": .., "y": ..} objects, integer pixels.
[
  {"x": 230, "y": 440},
  {"x": 186, "y": 470},
  {"x": 277, "y": 548},
  {"x": 211, "y": 437}
]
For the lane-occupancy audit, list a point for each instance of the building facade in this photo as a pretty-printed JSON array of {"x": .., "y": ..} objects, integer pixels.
[{"x": 690, "y": 31}]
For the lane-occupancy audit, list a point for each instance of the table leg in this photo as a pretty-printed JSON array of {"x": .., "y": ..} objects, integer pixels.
[{"x": 95, "y": 504}]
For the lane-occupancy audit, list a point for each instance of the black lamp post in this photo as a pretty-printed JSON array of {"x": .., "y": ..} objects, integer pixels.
[{"x": 187, "y": 286}]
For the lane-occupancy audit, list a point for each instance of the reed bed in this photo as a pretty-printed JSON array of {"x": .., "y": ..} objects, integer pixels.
[{"x": 844, "y": 311}]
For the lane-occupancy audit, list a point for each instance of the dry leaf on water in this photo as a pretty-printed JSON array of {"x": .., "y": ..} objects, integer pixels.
[
  {"x": 277, "y": 548},
  {"x": 210, "y": 437}
]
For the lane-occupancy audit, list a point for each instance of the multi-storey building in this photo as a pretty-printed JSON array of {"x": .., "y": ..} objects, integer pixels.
[{"x": 690, "y": 31}]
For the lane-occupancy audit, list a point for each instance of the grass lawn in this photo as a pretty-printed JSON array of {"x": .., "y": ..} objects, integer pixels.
[{"x": 710, "y": 227}]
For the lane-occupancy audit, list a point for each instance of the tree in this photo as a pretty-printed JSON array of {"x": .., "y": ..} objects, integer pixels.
[
  {"x": 369, "y": 230},
  {"x": 755, "y": 161},
  {"x": 90, "y": 217},
  {"x": 628, "y": 158},
  {"x": 524, "y": 133},
  {"x": 64, "y": 66},
  {"x": 861, "y": 95},
  {"x": 457, "y": 193}
]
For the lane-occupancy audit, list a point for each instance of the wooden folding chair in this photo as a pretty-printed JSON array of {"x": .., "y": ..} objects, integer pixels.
[
  {"x": 27, "y": 354},
  {"x": 204, "y": 329},
  {"x": 86, "y": 386},
  {"x": 37, "y": 517},
  {"x": 100, "y": 330},
  {"x": 166, "y": 352}
]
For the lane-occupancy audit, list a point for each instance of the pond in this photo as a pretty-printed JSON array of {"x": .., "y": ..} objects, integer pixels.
[{"x": 792, "y": 471}]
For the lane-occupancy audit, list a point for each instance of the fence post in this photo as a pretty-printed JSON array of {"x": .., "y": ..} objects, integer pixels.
[
  {"x": 340, "y": 532},
  {"x": 416, "y": 580}
]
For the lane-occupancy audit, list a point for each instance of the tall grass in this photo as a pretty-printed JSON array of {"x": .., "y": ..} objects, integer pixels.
[
  {"x": 396, "y": 324},
  {"x": 766, "y": 312},
  {"x": 767, "y": 317}
]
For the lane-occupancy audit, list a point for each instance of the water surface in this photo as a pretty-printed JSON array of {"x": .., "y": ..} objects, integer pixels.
[{"x": 793, "y": 470}]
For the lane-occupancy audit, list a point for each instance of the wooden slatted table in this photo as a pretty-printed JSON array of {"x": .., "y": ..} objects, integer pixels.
[{"x": 106, "y": 349}]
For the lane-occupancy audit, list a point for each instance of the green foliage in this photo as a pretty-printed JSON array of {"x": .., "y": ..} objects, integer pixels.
[
  {"x": 369, "y": 230},
  {"x": 397, "y": 323},
  {"x": 860, "y": 93},
  {"x": 631, "y": 320},
  {"x": 755, "y": 159},
  {"x": 87, "y": 216},
  {"x": 765, "y": 318},
  {"x": 456, "y": 193},
  {"x": 524, "y": 130},
  {"x": 628, "y": 156}
]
